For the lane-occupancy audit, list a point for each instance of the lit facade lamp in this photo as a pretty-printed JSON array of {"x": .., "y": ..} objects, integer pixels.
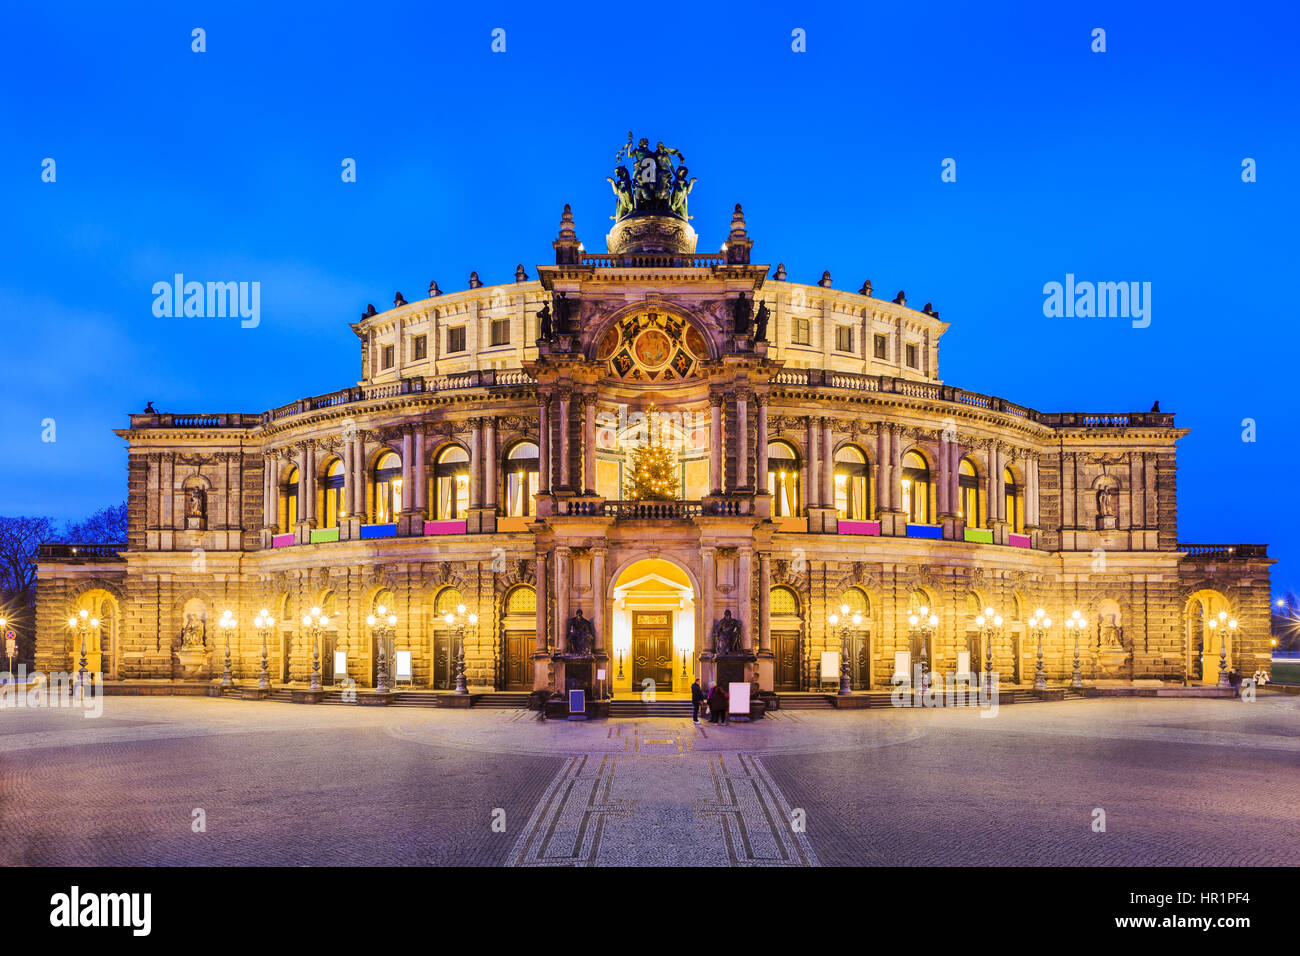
[
  {"x": 1223, "y": 626},
  {"x": 383, "y": 625},
  {"x": 923, "y": 624},
  {"x": 990, "y": 627},
  {"x": 227, "y": 623},
  {"x": 1039, "y": 625},
  {"x": 313, "y": 623},
  {"x": 82, "y": 623},
  {"x": 842, "y": 619},
  {"x": 459, "y": 620},
  {"x": 1075, "y": 624},
  {"x": 264, "y": 623}
]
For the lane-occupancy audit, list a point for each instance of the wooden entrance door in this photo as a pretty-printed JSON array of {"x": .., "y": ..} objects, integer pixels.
[
  {"x": 785, "y": 647},
  {"x": 444, "y": 660},
  {"x": 860, "y": 661},
  {"x": 518, "y": 659},
  {"x": 652, "y": 649},
  {"x": 390, "y": 651}
]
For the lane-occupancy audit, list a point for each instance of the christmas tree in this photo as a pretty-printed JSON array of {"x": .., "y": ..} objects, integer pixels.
[{"x": 654, "y": 471}]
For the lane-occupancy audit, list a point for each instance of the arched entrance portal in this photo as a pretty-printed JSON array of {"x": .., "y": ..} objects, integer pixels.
[
  {"x": 101, "y": 640},
  {"x": 1203, "y": 641},
  {"x": 653, "y": 629}
]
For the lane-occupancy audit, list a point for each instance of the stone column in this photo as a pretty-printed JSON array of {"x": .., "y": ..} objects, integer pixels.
[
  {"x": 544, "y": 445},
  {"x": 945, "y": 471},
  {"x": 167, "y": 493},
  {"x": 589, "y": 444},
  {"x": 307, "y": 484},
  {"x": 828, "y": 463},
  {"x": 814, "y": 489},
  {"x": 359, "y": 478},
  {"x": 708, "y": 587},
  {"x": 760, "y": 479},
  {"x": 542, "y": 619},
  {"x": 1031, "y": 491},
  {"x": 562, "y": 570},
  {"x": 895, "y": 468},
  {"x": 408, "y": 469},
  {"x": 270, "y": 500},
  {"x": 564, "y": 441},
  {"x": 715, "y": 444},
  {"x": 883, "y": 500},
  {"x": 598, "y": 598},
  {"x": 1000, "y": 485},
  {"x": 765, "y": 603},
  {"x": 745, "y": 602},
  {"x": 421, "y": 475},
  {"x": 476, "y": 463},
  {"x": 742, "y": 441},
  {"x": 490, "y": 463}
]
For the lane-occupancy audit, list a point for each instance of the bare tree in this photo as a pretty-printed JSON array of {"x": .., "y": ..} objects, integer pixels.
[
  {"x": 20, "y": 541},
  {"x": 107, "y": 526}
]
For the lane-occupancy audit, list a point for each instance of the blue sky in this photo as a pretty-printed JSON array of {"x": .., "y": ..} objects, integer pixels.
[{"x": 225, "y": 165}]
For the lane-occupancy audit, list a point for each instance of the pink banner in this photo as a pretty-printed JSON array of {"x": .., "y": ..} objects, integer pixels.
[
  {"x": 858, "y": 527},
  {"x": 444, "y": 527}
]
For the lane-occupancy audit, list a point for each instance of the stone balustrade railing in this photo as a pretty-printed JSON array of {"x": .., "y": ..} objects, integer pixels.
[
  {"x": 1224, "y": 550},
  {"x": 811, "y": 378},
  {"x": 653, "y": 260},
  {"x": 67, "y": 551}
]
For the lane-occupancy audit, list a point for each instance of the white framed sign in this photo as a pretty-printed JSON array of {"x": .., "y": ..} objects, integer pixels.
[
  {"x": 402, "y": 666},
  {"x": 830, "y": 665},
  {"x": 963, "y": 665},
  {"x": 903, "y": 666},
  {"x": 739, "y": 700},
  {"x": 340, "y": 665}
]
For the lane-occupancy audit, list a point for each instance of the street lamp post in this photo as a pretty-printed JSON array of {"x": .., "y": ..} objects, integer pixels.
[
  {"x": 1229, "y": 626},
  {"x": 1039, "y": 625},
  {"x": 227, "y": 624},
  {"x": 846, "y": 681},
  {"x": 923, "y": 625},
  {"x": 313, "y": 623},
  {"x": 990, "y": 627},
  {"x": 82, "y": 623},
  {"x": 382, "y": 626},
  {"x": 264, "y": 623},
  {"x": 1075, "y": 624},
  {"x": 459, "y": 620}
]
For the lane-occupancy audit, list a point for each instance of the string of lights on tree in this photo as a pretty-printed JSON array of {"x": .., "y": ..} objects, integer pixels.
[{"x": 653, "y": 475}]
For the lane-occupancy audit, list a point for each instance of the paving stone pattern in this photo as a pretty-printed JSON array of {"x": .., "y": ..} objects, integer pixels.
[{"x": 1181, "y": 782}]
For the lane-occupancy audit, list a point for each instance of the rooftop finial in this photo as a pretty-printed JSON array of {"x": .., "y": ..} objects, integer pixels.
[
  {"x": 399, "y": 299},
  {"x": 901, "y": 298},
  {"x": 520, "y": 274},
  {"x": 474, "y": 281},
  {"x": 567, "y": 247},
  {"x": 433, "y": 289},
  {"x": 779, "y": 275},
  {"x": 866, "y": 288},
  {"x": 825, "y": 280}
]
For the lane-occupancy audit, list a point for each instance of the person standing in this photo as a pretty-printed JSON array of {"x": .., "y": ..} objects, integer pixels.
[
  {"x": 697, "y": 698},
  {"x": 718, "y": 705}
]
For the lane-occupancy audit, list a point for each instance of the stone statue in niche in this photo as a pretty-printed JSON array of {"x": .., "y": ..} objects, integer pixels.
[
  {"x": 741, "y": 312},
  {"x": 581, "y": 636},
  {"x": 1112, "y": 635},
  {"x": 726, "y": 634},
  {"x": 196, "y": 510},
  {"x": 1107, "y": 506},
  {"x": 193, "y": 634},
  {"x": 544, "y": 330},
  {"x": 760, "y": 323}
]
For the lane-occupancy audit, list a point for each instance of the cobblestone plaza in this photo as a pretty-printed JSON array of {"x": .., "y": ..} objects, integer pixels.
[{"x": 1181, "y": 782}]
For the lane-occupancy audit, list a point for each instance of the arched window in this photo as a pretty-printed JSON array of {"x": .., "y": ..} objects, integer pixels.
[
  {"x": 332, "y": 491},
  {"x": 451, "y": 484},
  {"x": 521, "y": 472},
  {"x": 388, "y": 488},
  {"x": 916, "y": 488},
  {"x": 968, "y": 494},
  {"x": 289, "y": 502},
  {"x": 1015, "y": 520},
  {"x": 783, "y": 479},
  {"x": 852, "y": 484}
]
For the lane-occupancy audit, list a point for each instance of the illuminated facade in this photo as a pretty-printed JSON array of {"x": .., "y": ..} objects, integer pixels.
[{"x": 483, "y": 460}]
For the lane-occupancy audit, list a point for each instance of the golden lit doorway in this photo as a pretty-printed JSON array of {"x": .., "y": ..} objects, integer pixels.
[{"x": 652, "y": 629}]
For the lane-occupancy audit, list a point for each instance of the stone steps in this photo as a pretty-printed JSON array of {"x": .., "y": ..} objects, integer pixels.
[
  {"x": 658, "y": 708},
  {"x": 503, "y": 699}
]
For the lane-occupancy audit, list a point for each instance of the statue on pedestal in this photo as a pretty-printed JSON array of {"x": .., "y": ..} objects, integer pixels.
[
  {"x": 741, "y": 312},
  {"x": 192, "y": 634},
  {"x": 545, "y": 332},
  {"x": 726, "y": 634},
  {"x": 581, "y": 636},
  {"x": 760, "y": 323},
  {"x": 622, "y": 193}
]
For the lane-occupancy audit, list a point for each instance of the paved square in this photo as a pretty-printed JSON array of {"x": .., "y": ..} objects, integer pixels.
[{"x": 1192, "y": 782}]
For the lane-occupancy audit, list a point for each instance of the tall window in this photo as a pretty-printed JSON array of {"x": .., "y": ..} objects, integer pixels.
[
  {"x": 1015, "y": 520},
  {"x": 387, "y": 356},
  {"x": 521, "y": 479},
  {"x": 800, "y": 332},
  {"x": 421, "y": 347},
  {"x": 916, "y": 488},
  {"x": 968, "y": 494},
  {"x": 882, "y": 346},
  {"x": 844, "y": 338},
  {"x": 451, "y": 484},
  {"x": 851, "y": 484},
  {"x": 911, "y": 356},
  {"x": 332, "y": 490},
  {"x": 289, "y": 502},
  {"x": 456, "y": 339},
  {"x": 388, "y": 488},
  {"x": 783, "y": 479},
  {"x": 500, "y": 331}
]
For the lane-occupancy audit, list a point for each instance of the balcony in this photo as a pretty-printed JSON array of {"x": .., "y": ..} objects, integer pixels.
[
  {"x": 1225, "y": 552},
  {"x": 64, "y": 551}
]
